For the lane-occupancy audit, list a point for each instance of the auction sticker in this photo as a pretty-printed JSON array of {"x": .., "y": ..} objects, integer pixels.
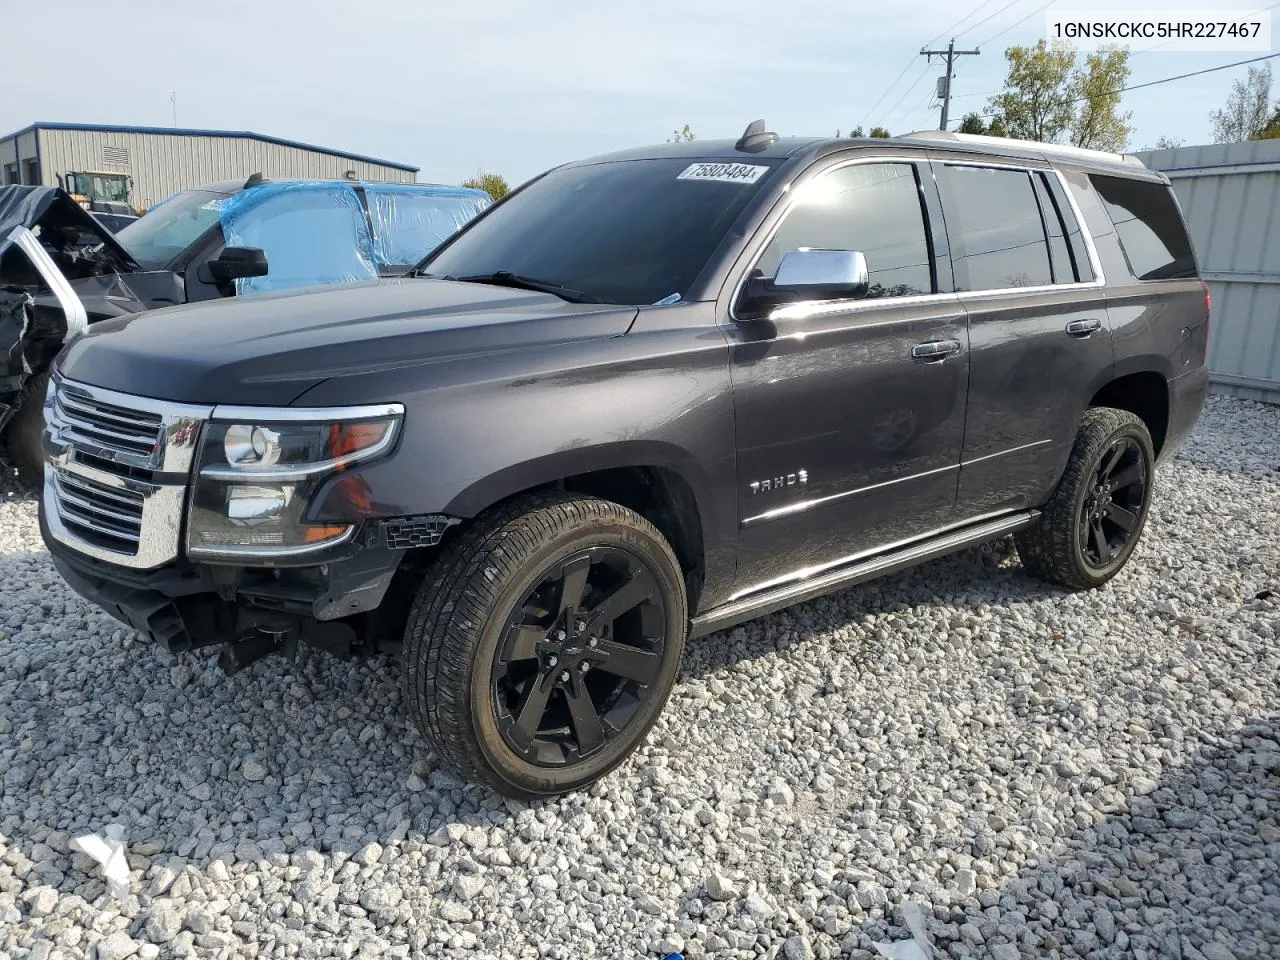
[{"x": 724, "y": 172}]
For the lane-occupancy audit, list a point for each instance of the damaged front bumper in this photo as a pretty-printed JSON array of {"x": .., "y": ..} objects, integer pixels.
[{"x": 339, "y": 605}]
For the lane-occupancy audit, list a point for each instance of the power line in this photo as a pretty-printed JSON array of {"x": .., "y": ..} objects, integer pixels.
[
  {"x": 1018, "y": 24},
  {"x": 991, "y": 17},
  {"x": 898, "y": 79},
  {"x": 889, "y": 114},
  {"x": 1156, "y": 83},
  {"x": 948, "y": 31},
  {"x": 889, "y": 89}
]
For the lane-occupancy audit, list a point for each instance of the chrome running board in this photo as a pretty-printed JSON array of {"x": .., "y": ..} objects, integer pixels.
[{"x": 777, "y": 598}]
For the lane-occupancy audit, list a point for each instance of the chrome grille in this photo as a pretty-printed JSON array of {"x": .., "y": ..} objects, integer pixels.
[
  {"x": 105, "y": 428},
  {"x": 116, "y": 470},
  {"x": 107, "y": 516}
]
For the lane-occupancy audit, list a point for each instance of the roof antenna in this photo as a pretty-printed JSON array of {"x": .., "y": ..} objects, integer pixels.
[
  {"x": 755, "y": 138},
  {"x": 254, "y": 180}
]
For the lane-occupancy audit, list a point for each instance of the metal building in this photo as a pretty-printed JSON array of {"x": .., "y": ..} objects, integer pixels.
[
  {"x": 163, "y": 160},
  {"x": 1230, "y": 195}
]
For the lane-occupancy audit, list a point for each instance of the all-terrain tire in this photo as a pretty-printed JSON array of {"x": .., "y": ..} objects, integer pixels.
[
  {"x": 23, "y": 445},
  {"x": 468, "y": 599},
  {"x": 1054, "y": 548}
]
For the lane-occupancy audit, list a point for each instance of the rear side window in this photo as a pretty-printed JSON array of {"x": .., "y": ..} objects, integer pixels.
[
  {"x": 994, "y": 224},
  {"x": 1149, "y": 226},
  {"x": 874, "y": 208}
]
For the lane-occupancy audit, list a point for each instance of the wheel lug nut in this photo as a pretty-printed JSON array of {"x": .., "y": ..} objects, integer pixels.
[
  {"x": 564, "y": 677},
  {"x": 552, "y": 660},
  {"x": 580, "y": 625},
  {"x": 592, "y": 643},
  {"x": 559, "y": 635},
  {"x": 584, "y": 666}
]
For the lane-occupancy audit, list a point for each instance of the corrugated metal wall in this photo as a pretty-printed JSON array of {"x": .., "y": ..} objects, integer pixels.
[
  {"x": 1230, "y": 195},
  {"x": 162, "y": 165}
]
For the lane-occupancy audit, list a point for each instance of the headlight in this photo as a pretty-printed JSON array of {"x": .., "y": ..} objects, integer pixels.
[{"x": 258, "y": 470}]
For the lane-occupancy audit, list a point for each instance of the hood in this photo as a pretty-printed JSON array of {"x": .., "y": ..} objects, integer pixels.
[
  {"x": 271, "y": 348},
  {"x": 65, "y": 228}
]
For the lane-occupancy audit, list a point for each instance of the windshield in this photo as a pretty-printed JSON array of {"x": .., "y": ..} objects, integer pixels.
[
  {"x": 630, "y": 231},
  {"x": 171, "y": 226}
]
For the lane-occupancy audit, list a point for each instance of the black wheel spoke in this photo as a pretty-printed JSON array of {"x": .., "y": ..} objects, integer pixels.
[
  {"x": 627, "y": 596},
  {"x": 628, "y": 662},
  {"x": 1113, "y": 458},
  {"x": 534, "y": 706},
  {"x": 573, "y": 584},
  {"x": 586, "y": 721},
  {"x": 1128, "y": 475},
  {"x": 1099, "y": 540},
  {"x": 1125, "y": 519},
  {"x": 521, "y": 642}
]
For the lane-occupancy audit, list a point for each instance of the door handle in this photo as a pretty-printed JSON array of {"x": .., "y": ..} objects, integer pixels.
[
  {"x": 1083, "y": 328},
  {"x": 935, "y": 351}
]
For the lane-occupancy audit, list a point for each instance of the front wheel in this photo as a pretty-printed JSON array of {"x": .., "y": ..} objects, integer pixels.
[
  {"x": 544, "y": 643},
  {"x": 1091, "y": 525}
]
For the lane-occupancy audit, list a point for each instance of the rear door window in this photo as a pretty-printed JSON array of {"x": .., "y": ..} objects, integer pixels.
[
  {"x": 997, "y": 236},
  {"x": 1149, "y": 226}
]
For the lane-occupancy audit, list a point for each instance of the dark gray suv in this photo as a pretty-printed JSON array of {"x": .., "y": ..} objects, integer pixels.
[{"x": 645, "y": 397}]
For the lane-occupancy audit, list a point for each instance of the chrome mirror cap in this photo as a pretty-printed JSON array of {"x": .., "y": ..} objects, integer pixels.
[{"x": 839, "y": 272}]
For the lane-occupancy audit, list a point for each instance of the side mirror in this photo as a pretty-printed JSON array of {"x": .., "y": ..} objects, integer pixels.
[
  {"x": 235, "y": 263},
  {"x": 822, "y": 274},
  {"x": 807, "y": 275}
]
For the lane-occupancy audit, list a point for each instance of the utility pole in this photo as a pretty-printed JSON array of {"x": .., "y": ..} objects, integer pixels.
[{"x": 944, "y": 82}]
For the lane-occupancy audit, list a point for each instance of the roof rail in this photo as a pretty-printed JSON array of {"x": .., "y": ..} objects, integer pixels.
[{"x": 1048, "y": 149}]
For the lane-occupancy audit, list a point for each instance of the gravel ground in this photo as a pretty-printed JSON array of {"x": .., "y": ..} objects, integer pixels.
[{"x": 1014, "y": 770}]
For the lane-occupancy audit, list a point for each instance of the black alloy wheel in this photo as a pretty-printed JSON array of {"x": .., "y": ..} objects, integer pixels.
[
  {"x": 580, "y": 656},
  {"x": 544, "y": 642},
  {"x": 1112, "y": 511},
  {"x": 1092, "y": 522}
]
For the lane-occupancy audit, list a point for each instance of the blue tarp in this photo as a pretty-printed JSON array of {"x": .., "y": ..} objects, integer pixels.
[
  {"x": 312, "y": 232},
  {"x": 316, "y": 232},
  {"x": 410, "y": 221}
]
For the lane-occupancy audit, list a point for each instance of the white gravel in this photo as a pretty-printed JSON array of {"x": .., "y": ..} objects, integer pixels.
[{"x": 1042, "y": 774}]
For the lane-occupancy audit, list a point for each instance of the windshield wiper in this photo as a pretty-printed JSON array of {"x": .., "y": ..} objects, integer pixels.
[{"x": 505, "y": 278}]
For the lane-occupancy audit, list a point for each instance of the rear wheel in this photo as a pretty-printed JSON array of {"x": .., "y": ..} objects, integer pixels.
[
  {"x": 1091, "y": 525},
  {"x": 544, "y": 643}
]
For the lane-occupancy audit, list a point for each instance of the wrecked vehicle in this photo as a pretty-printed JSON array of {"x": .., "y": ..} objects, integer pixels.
[{"x": 61, "y": 269}]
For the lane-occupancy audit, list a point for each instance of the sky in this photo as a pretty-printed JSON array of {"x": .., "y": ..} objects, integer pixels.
[{"x": 517, "y": 86}]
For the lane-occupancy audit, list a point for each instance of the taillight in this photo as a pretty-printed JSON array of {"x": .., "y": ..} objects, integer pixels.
[{"x": 1208, "y": 314}]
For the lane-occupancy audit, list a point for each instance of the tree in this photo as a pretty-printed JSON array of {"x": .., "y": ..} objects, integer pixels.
[
  {"x": 495, "y": 185},
  {"x": 1049, "y": 96},
  {"x": 1244, "y": 115},
  {"x": 880, "y": 133},
  {"x": 972, "y": 123},
  {"x": 856, "y": 132},
  {"x": 1098, "y": 123},
  {"x": 1272, "y": 130},
  {"x": 1035, "y": 103},
  {"x": 682, "y": 136}
]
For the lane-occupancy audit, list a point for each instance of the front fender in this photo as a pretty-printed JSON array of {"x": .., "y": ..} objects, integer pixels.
[{"x": 481, "y": 429}]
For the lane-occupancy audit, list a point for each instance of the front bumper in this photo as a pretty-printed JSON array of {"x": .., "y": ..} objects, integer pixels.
[{"x": 185, "y": 606}]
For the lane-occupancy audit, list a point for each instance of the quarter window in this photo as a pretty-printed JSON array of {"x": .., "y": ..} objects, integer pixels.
[
  {"x": 1149, "y": 226},
  {"x": 993, "y": 221},
  {"x": 874, "y": 208}
]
